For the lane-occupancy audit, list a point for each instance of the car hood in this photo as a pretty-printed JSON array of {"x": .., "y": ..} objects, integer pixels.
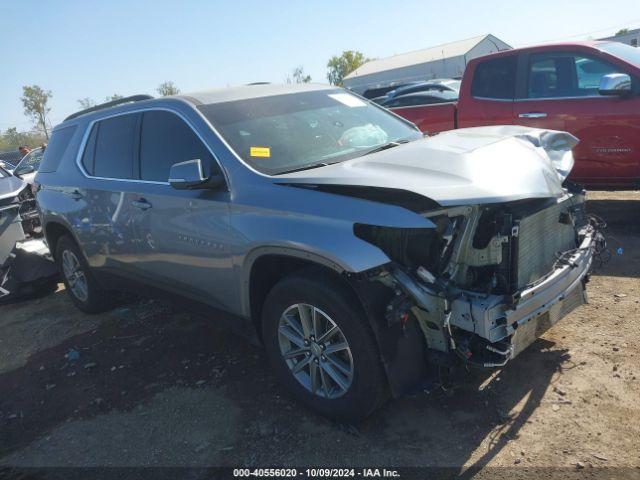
[
  {"x": 460, "y": 167},
  {"x": 10, "y": 187}
]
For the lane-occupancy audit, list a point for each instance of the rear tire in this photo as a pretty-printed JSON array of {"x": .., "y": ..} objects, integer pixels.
[
  {"x": 348, "y": 381},
  {"x": 81, "y": 285}
]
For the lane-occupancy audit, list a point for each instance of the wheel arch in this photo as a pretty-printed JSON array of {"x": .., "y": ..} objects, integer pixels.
[
  {"x": 53, "y": 231},
  {"x": 266, "y": 266},
  {"x": 401, "y": 349}
]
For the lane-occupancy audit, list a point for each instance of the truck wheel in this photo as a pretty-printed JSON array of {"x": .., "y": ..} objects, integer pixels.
[
  {"x": 321, "y": 347},
  {"x": 78, "y": 280}
]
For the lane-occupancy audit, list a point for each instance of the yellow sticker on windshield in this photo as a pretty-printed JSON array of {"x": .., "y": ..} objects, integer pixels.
[{"x": 264, "y": 152}]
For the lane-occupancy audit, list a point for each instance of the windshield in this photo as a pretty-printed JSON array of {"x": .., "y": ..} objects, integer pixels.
[
  {"x": 32, "y": 159},
  {"x": 4, "y": 173},
  {"x": 281, "y": 133},
  {"x": 453, "y": 84},
  {"x": 624, "y": 52}
]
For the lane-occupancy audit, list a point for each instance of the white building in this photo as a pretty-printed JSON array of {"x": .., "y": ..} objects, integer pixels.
[
  {"x": 443, "y": 61},
  {"x": 632, "y": 37}
]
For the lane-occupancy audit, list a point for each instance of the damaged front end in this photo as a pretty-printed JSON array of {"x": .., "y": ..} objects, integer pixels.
[
  {"x": 25, "y": 263},
  {"x": 489, "y": 279}
]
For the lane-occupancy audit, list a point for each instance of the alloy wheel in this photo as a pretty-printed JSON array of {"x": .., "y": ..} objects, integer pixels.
[
  {"x": 316, "y": 351},
  {"x": 75, "y": 276}
]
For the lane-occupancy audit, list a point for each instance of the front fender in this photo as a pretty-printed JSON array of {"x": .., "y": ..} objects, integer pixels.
[{"x": 330, "y": 243}]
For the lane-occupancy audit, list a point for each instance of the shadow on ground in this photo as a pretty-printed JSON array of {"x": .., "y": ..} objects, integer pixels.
[
  {"x": 623, "y": 232},
  {"x": 156, "y": 386},
  {"x": 153, "y": 386}
]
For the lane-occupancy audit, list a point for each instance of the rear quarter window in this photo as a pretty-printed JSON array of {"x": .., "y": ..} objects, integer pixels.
[
  {"x": 56, "y": 149},
  {"x": 90, "y": 151},
  {"x": 495, "y": 79}
]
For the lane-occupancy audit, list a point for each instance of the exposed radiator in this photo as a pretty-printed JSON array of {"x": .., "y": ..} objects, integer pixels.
[{"x": 541, "y": 237}]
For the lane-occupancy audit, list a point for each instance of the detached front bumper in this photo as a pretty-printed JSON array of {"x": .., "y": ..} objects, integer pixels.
[{"x": 519, "y": 320}]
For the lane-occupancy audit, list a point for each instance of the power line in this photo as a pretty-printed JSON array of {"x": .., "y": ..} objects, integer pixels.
[{"x": 587, "y": 34}]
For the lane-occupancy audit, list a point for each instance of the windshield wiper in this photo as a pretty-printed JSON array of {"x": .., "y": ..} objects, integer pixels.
[
  {"x": 324, "y": 164},
  {"x": 306, "y": 167},
  {"x": 385, "y": 146}
]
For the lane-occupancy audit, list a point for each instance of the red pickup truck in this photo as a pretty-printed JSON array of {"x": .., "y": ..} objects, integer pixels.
[{"x": 589, "y": 89}]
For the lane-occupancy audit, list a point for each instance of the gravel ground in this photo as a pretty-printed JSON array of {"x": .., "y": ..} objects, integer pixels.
[{"x": 154, "y": 386}]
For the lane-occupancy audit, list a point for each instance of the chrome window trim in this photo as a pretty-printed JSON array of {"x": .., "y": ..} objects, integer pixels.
[{"x": 85, "y": 138}]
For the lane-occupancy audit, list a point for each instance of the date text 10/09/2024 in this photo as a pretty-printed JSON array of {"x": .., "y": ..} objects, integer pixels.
[{"x": 316, "y": 472}]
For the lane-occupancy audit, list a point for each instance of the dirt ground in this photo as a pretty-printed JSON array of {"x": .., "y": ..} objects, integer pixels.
[{"x": 154, "y": 386}]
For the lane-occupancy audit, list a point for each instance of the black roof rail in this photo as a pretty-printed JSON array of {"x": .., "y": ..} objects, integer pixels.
[{"x": 112, "y": 103}]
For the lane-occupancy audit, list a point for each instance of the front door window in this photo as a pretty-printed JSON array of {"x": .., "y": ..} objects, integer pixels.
[{"x": 561, "y": 75}]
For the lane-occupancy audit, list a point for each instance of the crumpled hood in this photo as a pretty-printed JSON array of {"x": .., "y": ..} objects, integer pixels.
[{"x": 466, "y": 166}]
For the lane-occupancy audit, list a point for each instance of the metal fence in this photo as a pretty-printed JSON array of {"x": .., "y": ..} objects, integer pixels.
[{"x": 10, "y": 156}]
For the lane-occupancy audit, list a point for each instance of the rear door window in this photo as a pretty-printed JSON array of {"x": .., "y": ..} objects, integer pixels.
[
  {"x": 166, "y": 140},
  {"x": 495, "y": 79},
  {"x": 115, "y": 146}
]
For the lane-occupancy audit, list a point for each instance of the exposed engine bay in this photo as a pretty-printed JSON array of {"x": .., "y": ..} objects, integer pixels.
[{"x": 489, "y": 279}]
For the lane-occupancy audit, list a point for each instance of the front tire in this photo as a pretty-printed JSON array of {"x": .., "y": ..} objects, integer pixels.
[
  {"x": 82, "y": 288},
  {"x": 321, "y": 347}
]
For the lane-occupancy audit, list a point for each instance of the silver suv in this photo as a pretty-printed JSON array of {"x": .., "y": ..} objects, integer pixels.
[{"x": 359, "y": 252}]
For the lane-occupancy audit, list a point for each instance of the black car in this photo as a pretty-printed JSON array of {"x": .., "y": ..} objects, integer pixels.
[
  {"x": 420, "y": 98},
  {"x": 374, "y": 93},
  {"x": 442, "y": 85}
]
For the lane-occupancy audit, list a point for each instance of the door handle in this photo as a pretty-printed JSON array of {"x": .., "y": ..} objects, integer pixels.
[
  {"x": 533, "y": 115},
  {"x": 76, "y": 195},
  {"x": 142, "y": 204}
]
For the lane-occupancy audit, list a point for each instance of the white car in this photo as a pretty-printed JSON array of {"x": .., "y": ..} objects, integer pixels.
[{"x": 29, "y": 165}]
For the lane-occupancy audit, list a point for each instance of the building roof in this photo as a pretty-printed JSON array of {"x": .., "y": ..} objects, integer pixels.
[{"x": 417, "y": 57}]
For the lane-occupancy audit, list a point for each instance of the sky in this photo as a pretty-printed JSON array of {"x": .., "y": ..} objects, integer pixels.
[{"x": 87, "y": 48}]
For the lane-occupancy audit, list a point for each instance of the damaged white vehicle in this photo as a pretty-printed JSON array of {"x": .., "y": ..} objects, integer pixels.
[
  {"x": 357, "y": 251},
  {"x": 25, "y": 264}
]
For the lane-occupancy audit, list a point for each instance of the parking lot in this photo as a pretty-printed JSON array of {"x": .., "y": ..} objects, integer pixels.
[{"x": 147, "y": 384}]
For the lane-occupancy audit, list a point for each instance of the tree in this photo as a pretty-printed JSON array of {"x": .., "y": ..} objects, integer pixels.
[
  {"x": 113, "y": 97},
  {"x": 168, "y": 88},
  {"x": 299, "y": 76},
  {"x": 35, "y": 100},
  {"x": 340, "y": 67},
  {"x": 86, "y": 102},
  {"x": 622, "y": 31},
  {"x": 12, "y": 138}
]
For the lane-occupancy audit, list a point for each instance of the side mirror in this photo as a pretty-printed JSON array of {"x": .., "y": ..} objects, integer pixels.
[
  {"x": 25, "y": 169},
  {"x": 189, "y": 175},
  {"x": 615, "y": 84}
]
